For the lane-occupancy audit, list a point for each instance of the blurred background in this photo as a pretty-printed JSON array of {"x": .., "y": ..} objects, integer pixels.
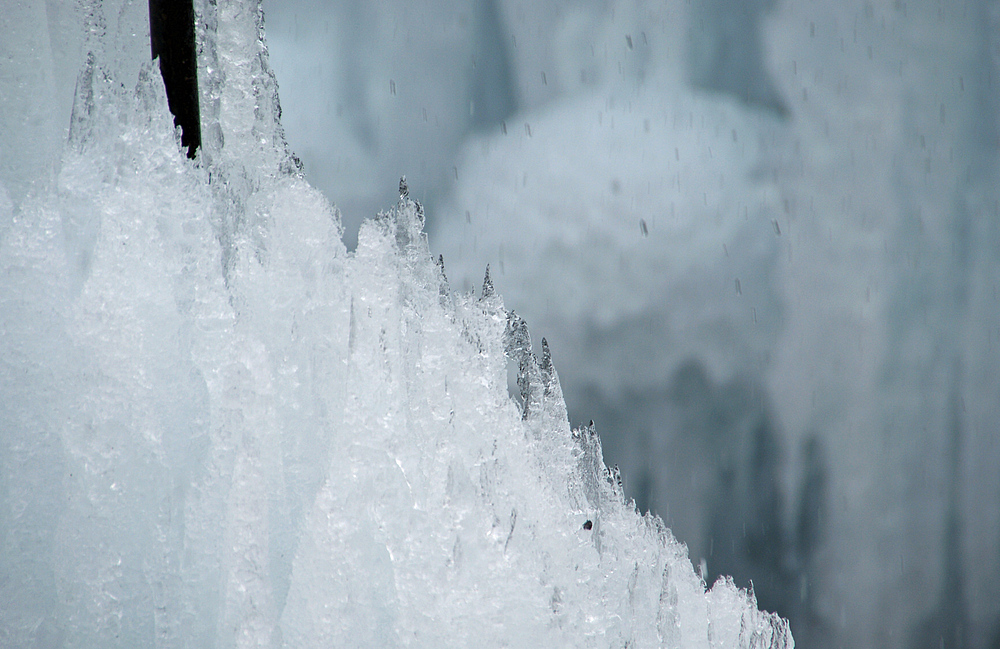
[{"x": 762, "y": 238}]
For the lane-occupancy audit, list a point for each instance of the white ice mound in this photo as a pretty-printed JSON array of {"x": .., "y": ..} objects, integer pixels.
[
  {"x": 219, "y": 429},
  {"x": 452, "y": 514}
]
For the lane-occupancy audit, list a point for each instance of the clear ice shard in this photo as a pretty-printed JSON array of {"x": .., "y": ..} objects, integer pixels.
[{"x": 220, "y": 429}]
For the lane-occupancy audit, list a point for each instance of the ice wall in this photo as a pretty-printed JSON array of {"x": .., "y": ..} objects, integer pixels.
[
  {"x": 642, "y": 224},
  {"x": 870, "y": 242},
  {"x": 218, "y": 428},
  {"x": 897, "y": 107}
]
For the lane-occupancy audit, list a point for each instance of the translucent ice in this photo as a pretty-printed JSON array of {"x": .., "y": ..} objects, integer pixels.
[{"x": 219, "y": 429}]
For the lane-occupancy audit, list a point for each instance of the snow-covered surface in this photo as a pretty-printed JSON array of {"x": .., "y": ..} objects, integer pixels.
[{"x": 218, "y": 428}]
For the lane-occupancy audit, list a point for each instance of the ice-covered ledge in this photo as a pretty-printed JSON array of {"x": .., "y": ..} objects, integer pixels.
[{"x": 221, "y": 429}]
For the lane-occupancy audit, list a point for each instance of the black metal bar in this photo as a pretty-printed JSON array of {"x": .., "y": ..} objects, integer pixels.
[{"x": 171, "y": 37}]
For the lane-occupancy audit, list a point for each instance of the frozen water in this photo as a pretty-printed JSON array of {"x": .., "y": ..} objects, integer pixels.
[
  {"x": 837, "y": 318},
  {"x": 641, "y": 226},
  {"x": 612, "y": 225},
  {"x": 220, "y": 429}
]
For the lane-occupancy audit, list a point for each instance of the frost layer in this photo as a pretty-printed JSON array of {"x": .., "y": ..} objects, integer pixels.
[{"x": 219, "y": 429}]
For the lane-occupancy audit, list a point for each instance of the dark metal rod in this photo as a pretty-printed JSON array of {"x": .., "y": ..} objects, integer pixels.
[{"x": 171, "y": 37}]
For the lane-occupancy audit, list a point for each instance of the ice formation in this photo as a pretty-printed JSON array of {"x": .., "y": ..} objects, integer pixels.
[
  {"x": 220, "y": 429},
  {"x": 857, "y": 292},
  {"x": 642, "y": 225}
]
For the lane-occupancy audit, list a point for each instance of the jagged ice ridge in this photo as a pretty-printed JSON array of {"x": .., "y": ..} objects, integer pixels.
[{"x": 220, "y": 429}]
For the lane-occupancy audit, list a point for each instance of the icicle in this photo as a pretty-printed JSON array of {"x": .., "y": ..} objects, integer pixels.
[
  {"x": 444, "y": 289},
  {"x": 546, "y": 368},
  {"x": 83, "y": 104},
  {"x": 517, "y": 347},
  {"x": 517, "y": 342},
  {"x": 615, "y": 480},
  {"x": 488, "y": 291}
]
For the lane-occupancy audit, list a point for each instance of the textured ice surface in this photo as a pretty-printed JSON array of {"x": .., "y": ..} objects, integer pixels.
[
  {"x": 884, "y": 227},
  {"x": 219, "y": 429},
  {"x": 641, "y": 226}
]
